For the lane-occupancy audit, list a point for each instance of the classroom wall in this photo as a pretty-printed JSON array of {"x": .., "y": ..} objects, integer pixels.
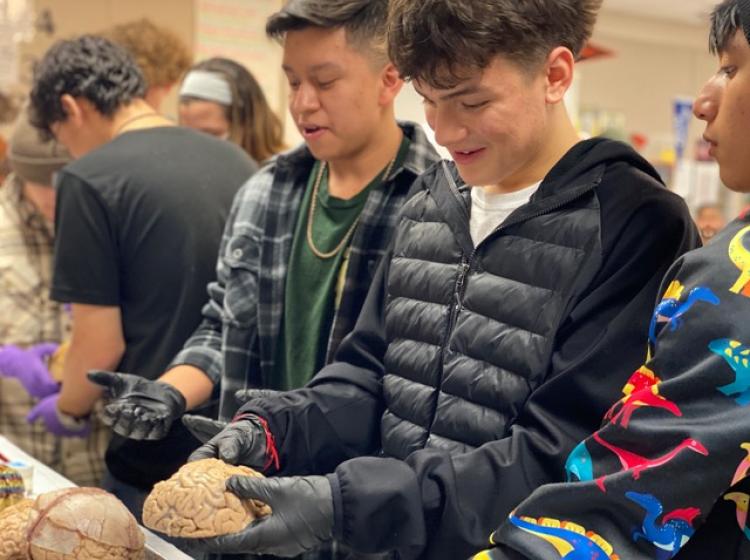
[
  {"x": 74, "y": 17},
  {"x": 654, "y": 62}
]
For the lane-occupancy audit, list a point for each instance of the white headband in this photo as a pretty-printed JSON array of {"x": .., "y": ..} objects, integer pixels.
[{"x": 206, "y": 85}]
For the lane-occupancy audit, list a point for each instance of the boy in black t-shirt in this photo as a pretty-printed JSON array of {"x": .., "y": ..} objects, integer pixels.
[{"x": 139, "y": 221}]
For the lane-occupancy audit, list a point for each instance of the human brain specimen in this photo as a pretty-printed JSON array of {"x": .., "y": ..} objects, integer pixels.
[
  {"x": 14, "y": 524},
  {"x": 70, "y": 524},
  {"x": 194, "y": 503}
]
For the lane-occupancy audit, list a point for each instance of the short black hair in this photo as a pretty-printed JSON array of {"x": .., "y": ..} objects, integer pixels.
[
  {"x": 90, "y": 67},
  {"x": 363, "y": 20},
  {"x": 438, "y": 41},
  {"x": 725, "y": 21}
]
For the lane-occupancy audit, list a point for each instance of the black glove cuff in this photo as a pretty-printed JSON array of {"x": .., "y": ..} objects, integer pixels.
[
  {"x": 338, "y": 507},
  {"x": 177, "y": 398}
]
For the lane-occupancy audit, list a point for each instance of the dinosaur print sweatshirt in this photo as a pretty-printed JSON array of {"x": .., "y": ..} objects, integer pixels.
[{"x": 666, "y": 474}]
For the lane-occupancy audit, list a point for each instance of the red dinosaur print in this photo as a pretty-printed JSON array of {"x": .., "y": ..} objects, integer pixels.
[
  {"x": 636, "y": 463},
  {"x": 642, "y": 389}
]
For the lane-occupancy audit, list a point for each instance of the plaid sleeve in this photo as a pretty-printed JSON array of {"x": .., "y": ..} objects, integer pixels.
[{"x": 205, "y": 348}]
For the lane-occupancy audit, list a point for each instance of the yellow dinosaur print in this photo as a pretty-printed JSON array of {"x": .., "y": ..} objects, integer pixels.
[
  {"x": 674, "y": 291},
  {"x": 740, "y": 256}
]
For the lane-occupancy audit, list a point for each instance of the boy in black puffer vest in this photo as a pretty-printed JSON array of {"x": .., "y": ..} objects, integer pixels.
[{"x": 506, "y": 318}]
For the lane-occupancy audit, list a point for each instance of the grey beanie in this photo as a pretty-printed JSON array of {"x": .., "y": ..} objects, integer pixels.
[{"x": 32, "y": 158}]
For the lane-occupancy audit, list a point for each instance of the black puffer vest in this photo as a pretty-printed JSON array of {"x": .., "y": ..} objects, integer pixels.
[{"x": 471, "y": 330}]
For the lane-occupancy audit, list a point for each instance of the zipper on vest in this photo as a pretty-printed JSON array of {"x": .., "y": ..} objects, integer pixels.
[{"x": 458, "y": 291}]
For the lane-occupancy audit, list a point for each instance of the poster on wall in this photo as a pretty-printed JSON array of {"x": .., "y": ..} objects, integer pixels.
[{"x": 236, "y": 29}]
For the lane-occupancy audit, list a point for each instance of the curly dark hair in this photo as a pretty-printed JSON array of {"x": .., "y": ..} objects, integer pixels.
[
  {"x": 89, "y": 67},
  {"x": 438, "y": 41}
]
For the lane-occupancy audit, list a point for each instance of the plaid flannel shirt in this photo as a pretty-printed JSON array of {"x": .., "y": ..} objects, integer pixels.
[
  {"x": 236, "y": 343},
  {"x": 29, "y": 317}
]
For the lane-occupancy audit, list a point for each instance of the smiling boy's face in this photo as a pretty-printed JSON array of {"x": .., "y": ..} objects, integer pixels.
[
  {"x": 492, "y": 122},
  {"x": 724, "y": 105}
]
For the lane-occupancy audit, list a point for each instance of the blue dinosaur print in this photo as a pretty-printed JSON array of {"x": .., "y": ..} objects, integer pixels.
[
  {"x": 579, "y": 464},
  {"x": 571, "y": 541},
  {"x": 738, "y": 358},
  {"x": 669, "y": 535},
  {"x": 671, "y": 309}
]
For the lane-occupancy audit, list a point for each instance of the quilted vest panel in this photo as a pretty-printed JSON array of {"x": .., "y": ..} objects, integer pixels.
[{"x": 471, "y": 336}]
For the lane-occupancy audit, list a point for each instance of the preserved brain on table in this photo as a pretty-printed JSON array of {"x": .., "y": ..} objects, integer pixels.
[{"x": 70, "y": 524}]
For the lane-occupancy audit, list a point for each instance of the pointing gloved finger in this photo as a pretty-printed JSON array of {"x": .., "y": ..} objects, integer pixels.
[
  {"x": 201, "y": 427},
  {"x": 207, "y": 451},
  {"x": 252, "y": 488},
  {"x": 229, "y": 449},
  {"x": 110, "y": 380}
]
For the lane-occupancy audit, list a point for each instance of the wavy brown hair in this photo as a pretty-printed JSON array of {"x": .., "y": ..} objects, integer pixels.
[
  {"x": 160, "y": 54},
  {"x": 252, "y": 124},
  {"x": 438, "y": 41}
]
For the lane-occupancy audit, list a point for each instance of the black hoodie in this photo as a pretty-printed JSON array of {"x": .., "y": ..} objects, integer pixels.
[{"x": 474, "y": 371}]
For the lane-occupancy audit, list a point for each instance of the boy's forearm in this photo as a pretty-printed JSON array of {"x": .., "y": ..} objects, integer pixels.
[
  {"x": 97, "y": 343},
  {"x": 192, "y": 382}
]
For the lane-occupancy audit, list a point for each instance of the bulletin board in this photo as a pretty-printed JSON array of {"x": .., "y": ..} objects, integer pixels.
[{"x": 236, "y": 29}]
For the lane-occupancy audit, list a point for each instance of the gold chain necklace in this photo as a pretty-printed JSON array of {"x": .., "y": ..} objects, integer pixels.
[
  {"x": 311, "y": 215},
  {"x": 133, "y": 119}
]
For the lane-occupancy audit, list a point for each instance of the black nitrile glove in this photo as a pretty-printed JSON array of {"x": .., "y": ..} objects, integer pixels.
[
  {"x": 239, "y": 443},
  {"x": 140, "y": 409},
  {"x": 302, "y": 517},
  {"x": 244, "y": 396}
]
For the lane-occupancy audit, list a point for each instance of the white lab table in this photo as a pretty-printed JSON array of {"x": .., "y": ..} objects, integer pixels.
[{"x": 47, "y": 480}]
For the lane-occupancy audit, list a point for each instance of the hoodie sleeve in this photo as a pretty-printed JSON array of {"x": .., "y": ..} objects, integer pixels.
[
  {"x": 657, "y": 472},
  {"x": 437, "y": 505}
]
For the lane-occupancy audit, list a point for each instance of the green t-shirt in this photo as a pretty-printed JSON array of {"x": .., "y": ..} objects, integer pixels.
[{"x": 312, "y": 282}]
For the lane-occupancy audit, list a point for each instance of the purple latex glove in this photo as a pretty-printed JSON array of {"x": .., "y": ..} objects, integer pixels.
[
  {"x": 29, "y": 367},
  {"x": 57, "y": 423}
]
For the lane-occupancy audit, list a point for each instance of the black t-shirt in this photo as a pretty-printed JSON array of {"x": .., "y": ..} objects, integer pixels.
[{"x": 138, "y": 225}]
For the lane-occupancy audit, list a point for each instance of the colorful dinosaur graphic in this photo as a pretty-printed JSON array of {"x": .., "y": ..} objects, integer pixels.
[
  {"x": 669, "y": 535},
  {"x": 738, "y": 357},
  {"x": 743, "y": 502},
  {"x": 571, "y": 541},
  {"x": 740, "y": 256},
  {"x": 641, "y": 390},
  {"x": 743, "y": 469},
  {"x": 671, "y": 309},
  {"x": 579, "y": 464},
  {"x": 484, "y": 555},
  {"x": 637, "y": 464}
]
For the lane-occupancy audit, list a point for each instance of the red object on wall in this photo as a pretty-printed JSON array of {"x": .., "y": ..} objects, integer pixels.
[{"x": 592, "y": 50}]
